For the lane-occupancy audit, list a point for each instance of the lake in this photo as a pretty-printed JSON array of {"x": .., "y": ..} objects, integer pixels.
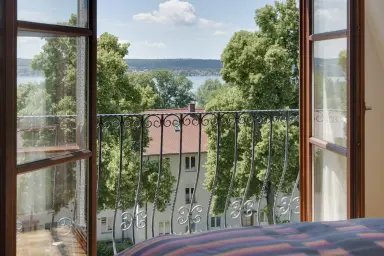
[
  {"x": 196, "y": 80},
  {"x": 29, "y": 79}
]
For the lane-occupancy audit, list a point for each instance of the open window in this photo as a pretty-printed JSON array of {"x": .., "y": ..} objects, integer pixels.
[
  {"x": 48, "y": 126},
  {"x": 331, "y": 120}
]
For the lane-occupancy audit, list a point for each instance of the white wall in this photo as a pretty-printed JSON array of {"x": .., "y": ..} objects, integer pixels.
[{"x": 374, "y": 121}]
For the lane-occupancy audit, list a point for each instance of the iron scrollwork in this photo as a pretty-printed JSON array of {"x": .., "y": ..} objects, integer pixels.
[
  {"x": 188, "y": 215},
  {"x": 128, "y": 219}
]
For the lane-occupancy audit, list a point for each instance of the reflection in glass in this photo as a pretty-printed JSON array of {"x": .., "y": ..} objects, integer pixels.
[
  {"x": 54, "y": 12},
  {"x": 329, "y": 15},
  {"x": 51, "y": 211},
  {"x": 51, "y": 97},
  {"x": 329, "y": 185},
  {"x": 330, "y": 91}
]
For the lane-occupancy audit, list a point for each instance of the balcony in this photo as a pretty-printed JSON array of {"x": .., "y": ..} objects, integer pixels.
[{"x": 246, "y": 169}]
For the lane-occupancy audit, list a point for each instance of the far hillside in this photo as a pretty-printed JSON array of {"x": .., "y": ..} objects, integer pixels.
[
  {"x": 173, "y": 64},
  {"x": 187, "y": 67}
]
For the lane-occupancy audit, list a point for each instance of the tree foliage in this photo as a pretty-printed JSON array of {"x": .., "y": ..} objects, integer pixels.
[
  {"x": 130, "y": 171},
  {"x": 262, "y": 66},
  {"x": 174, "y": 91},
  {"x": 208, "y": 90}
]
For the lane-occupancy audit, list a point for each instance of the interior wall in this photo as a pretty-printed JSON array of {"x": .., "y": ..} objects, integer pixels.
[{"x": 374, "y": 97}]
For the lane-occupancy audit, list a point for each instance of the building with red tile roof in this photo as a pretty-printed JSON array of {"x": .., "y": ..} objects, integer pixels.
[{"x": 171, "y": 132}]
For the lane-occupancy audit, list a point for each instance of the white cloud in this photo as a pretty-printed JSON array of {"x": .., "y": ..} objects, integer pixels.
[
  {"x": 172, "y": 11},
  {"x": 220, "y": 33},
  {"x": 176, "y": 12}
]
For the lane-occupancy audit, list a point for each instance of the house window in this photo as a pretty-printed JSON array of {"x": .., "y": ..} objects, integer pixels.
[
  {"x": 106, "y": 224},
  {"x": 189, "y": 195},
  {"x": 190, "y": 163},
  {"x": 163, "y": 227},
  {"x": 216, "y": 222}
]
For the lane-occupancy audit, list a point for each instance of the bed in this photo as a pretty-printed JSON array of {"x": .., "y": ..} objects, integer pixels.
[{"x": 352, "y": 237}]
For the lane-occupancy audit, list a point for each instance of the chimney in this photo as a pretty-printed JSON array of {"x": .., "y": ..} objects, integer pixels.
[{"x": 192, "y": 107}]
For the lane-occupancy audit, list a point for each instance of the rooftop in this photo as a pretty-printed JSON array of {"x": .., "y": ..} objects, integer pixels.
[{"x": 171, "y": 135}]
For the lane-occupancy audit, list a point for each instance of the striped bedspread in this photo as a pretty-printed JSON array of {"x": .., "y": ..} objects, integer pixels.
[{"x": 353, "y": 237}]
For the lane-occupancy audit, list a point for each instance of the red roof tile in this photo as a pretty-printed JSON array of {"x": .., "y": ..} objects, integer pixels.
[{"x": 171, "y": 138}]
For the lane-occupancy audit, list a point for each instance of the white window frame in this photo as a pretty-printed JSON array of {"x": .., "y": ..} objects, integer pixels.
[
  {"x": 108, "y": 226},
  {"x": 189, "y": 195},
  {"x": 164, "y": 227},
  {"x": 189, "y": 167}
]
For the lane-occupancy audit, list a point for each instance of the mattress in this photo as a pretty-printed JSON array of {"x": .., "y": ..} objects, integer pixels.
[{"x": 353, "y": 237}]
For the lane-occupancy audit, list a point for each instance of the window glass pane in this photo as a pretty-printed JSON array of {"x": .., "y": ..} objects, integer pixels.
[
  {"x": 64, "y": 12},
  {"x": 187, "y": 163},
  {"x": 329, "y": 185},
  {"x": 329, "y": 15},
  {"x": 103, "y": 224},
  {"x": 330, "y": 91},
  {"x": 51, "y": 210},
  {"x": 193, "y": 160},
  {"x": 51, "y": 97},
  {"x": 212, "y": 222},
  {"x": 166, "y": 227},
  {"x": 218, "y": 221},
  {"x": 110, "y": 223}
]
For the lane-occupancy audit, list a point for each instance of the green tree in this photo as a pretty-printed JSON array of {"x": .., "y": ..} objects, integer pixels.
[
  {"x": 128, "y": 183},
  {"x": 174, "y": 91},
  {"x": 208, "y": 90},
  {"x": 262, "y": 67},
  {"x": 145, "y": 85}
]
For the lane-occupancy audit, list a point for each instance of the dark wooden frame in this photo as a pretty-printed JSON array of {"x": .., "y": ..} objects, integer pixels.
[
  {"x": 9, "y": 29},
  {"x": 51, "y": 29},
  {"x": 8, "y": 127},
  {"x": 355, "y": 127},
  {"x": 356, "y": 97}
]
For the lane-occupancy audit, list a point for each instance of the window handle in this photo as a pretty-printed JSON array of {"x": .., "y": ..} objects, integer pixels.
[{"x": 367, "y": 108}]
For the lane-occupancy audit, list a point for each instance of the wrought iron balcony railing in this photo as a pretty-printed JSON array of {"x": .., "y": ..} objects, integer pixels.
[
  {"x": 236, "y": 168},
  {"x": 244, "y": 168}
]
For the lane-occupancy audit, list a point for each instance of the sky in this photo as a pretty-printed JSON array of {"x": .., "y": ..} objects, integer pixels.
[
  {"x": 175, "y": 28},
  {"x": 154, "y": 28}
]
